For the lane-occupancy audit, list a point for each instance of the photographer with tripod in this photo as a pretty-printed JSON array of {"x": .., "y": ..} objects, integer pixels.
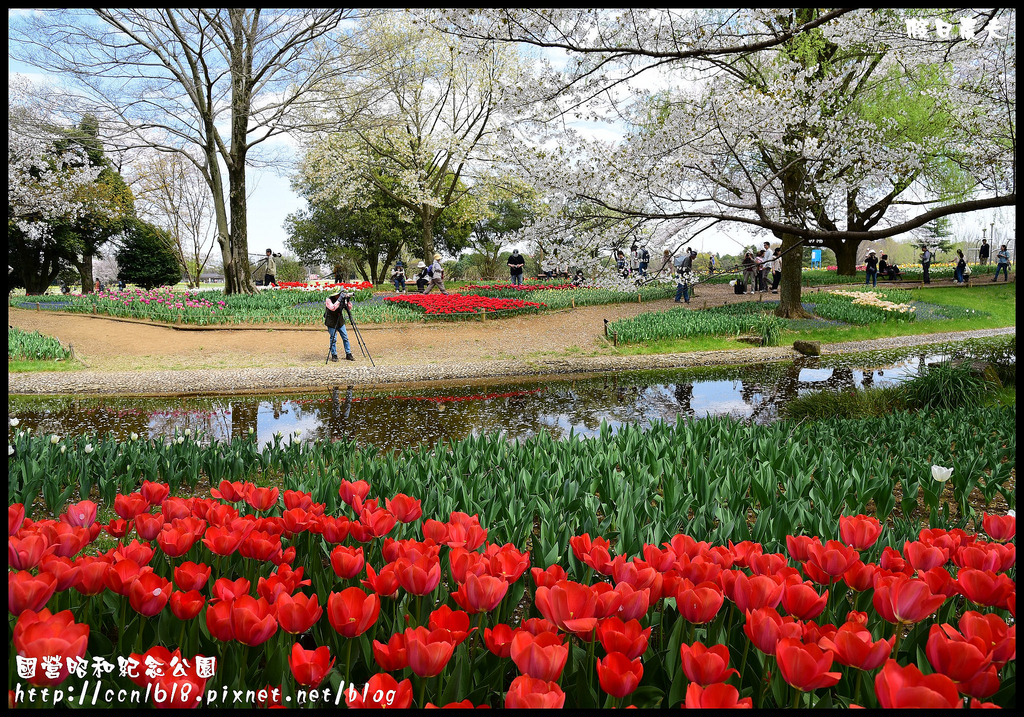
[
  {"x": 334, "y": 319},
  {"x": 270, "y": 268}
]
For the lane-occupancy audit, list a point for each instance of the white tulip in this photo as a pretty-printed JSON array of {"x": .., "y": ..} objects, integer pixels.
[
  {"x": 134, "y": 436},
  {"x": 63, "y": 448},
  {"x": 250, "y": 430},
  {"x": 88, "y": 448},
  {"x": 181, "y": 439},
  {"x": 941, "y": 474},
  {"x": 298, "y": 433},
  {"x": 188, "y": 431},
  {"x": 28, "y": 430},
  {"x": 21, "y": 433},
  {"x": 15, "y": 422},
  {"x": 10, "y": 449},
  {"x": 55, "y": 439}
]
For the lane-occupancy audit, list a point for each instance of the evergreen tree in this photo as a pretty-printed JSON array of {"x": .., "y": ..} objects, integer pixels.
[{"x": 146, "y": 258}]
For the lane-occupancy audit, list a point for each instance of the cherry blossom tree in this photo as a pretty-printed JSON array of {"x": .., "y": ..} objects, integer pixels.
[
  {"x": 213, "y": 85},
  {"x": 772, "y": 120}
]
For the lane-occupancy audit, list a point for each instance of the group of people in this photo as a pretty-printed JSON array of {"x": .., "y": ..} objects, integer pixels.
[
  {"x": 757, "y": 267},
  {"x": 962, "y": 271},
  {"x": 427, "y": 277},
  {"x": 1002, "y": 259},
  {"x": 637, "y": 263}
]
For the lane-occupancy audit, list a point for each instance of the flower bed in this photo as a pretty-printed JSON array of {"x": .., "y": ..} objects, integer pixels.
[
  {"x": 458, "y": 304},
  {"x": 383, "y": 604},
  {"x": 516, "y": 287},
  {"x": 864, "y": 307},
  {"x": 323, "y": 285}
]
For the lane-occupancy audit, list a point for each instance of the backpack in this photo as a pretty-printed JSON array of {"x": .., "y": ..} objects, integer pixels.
[
  {"x": 740, "y": 287},
  {"x": 645, "y": 256}
]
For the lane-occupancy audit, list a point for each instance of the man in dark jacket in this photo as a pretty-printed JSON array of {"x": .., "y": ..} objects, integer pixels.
[
  {"x": 334, "y": 319},
  {"x": 516, "y": 262}
]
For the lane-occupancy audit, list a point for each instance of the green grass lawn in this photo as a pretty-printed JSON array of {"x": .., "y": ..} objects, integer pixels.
[
  {"x": 27, "y": 366},
  {"x": 998, "y": 301}
]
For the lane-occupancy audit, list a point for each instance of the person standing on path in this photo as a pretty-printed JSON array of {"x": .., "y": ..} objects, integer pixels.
[
  {"x": 436, "y": 276},
  {"x": 685, "y": 278},
  {"x": 776, "y": 272},
  {"x": 748, "y": 272},
  {"x": 516, "y": 263},
  {"x": 983, "y": 253},
  {"x": 1003, "y": 264},
  {"x": 926, "y": 263},
  {"x": 871, "y": 269},
  {"x": 270, "y": 277},
  {"x": 335, "y": 307},
  {"x": 959, "y": 273}
]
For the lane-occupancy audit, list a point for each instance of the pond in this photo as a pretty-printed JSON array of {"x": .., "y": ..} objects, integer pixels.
[{"x": 398, "y": 417}]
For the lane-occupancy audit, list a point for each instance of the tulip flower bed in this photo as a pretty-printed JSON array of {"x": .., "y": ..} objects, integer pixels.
[
  {"x": 33, "y": 345},
  {"x": 864, "y": 306},
  {"x": 323, "y": 285},
  {"x": 375, "y": 602},
  {"x": 455, "y": 305}
]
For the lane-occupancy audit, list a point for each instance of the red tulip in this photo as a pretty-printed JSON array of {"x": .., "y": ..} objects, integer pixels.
[
  {"x": 799, "y": 547},
  {"x": 569, "y": 605},
  {"x": 527, "y": 692},
  {"x": 464, "y": 531},
  {"x": 81, "y": 514},
  {"x": 176, "y": 540},
  {"x": 40, "y": 635},
  {"x": 625, "y": 637},
  {"x": 854, "y": 647},
  {"x": 333, "y": 530},
  {"x": 392, "y": 656},
  {"x": 218, "y": 620},
  {"x": 252, "y": 620},
  {"x": 186, "y": 605},
  {"x": 155, "y": 493},
  {"x": 296, "y": 614},
  {"x": 297, "y": 499},
  {"x": 506, "y": 562},
  {"x": 960, "y": 660},
  {"x": 480, "y": 594},
  {"x": 1000, "y": 527},
  {"x": 435, "y": 530},
  {"x": 984, "y": 587},
  {"x": 904, "y": 600},
  {"x": 859, "y": 531},
  {"x": 699, "y": 603},
  {"x": 230, "y": 492},
  {"x": 25, "y": 552},
  {"x": 999, "y": 639},
  {"x": 827, "y": 562},
  {"x": 805, "y": 667},
  {"x": 756, "y": 592},
  {"x": 351, "y": 612},
  {"x": 225, "y": 589},
  {"x": 15, "y": 517},
  {"x": 940, "y": 582},
  {"x": 906, "y": 688},
  {"x": 499, "y": 639},
  {"x": 595, "y": 553},
  {"x": 923, "y": 556},
  {"x": 537, "y": 625},
  {"x": 296, "y": 520},
  {"x": 120, "y": 576},
  {"x": 91, "y": 574},
  {"x": 117, "y": 528},
  {"x": 350, "y": 491},
  {"x": 131, "y": 505},
  {"x": 384, "y": 583},
  {"x": 222, "y": 541},
  {"x": 984, "y": 684},
  {"x": 347, "y": 562},
  {"x": 310, "y": 667},
  {"x": 618, "y": 675},
  {"x": 379, "y": 522},
  {"x": 765, "y": 627},
  {"x": 428, "y": 651},
  {"x": 378, "y": 690},
  {"x": 986, "y": 556},
  {"x": 706, "y": 665},
  {"x": 767, "y": 563},
  {"x": 405, "y": 508},
  {"x": 802, "y": 601},
  {"x": 454, "y": 622},
  {"x": 548, "y": 577},
  {"x": 262, "y": 499},
  {"x": 63, "y": 569},
  {"x": 191, "y": 576},
  {"x": 68, "y": 540},
  {"x": 717, "y": 696},
  {"x": 542, "y": 656},
  {"x": 418, "y": 577}
]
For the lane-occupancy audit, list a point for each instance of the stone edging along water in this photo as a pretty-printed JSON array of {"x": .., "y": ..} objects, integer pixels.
[{"x": 264, "y": 380}]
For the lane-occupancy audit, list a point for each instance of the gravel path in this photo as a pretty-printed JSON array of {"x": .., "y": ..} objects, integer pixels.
[{"x": 243, "y": 380}]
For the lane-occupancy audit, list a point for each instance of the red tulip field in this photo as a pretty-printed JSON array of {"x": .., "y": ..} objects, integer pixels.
[{"x": 256, "y": 597}]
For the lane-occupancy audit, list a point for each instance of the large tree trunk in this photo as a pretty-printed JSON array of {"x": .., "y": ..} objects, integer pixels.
[
  {"x": 428, "y": 239},
  {"x": 846, "y": 256},
  {"x": 85, "y": 272},
  {"x": 790, "y": 303},
  {"x": 240, "y": 279}
]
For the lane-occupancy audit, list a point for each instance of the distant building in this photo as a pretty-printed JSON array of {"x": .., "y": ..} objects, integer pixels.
[{"x": 211, "y": 277}]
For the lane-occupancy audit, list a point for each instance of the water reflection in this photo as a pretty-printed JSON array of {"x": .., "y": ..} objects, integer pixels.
[{"x": 400, "y": 417}]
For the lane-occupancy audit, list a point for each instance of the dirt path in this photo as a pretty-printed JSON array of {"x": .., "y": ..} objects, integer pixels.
[{"x": 108, "y": 345}]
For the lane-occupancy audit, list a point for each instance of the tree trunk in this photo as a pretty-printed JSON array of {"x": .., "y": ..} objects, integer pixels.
[
  {"x": 790, "y": 303},
  {"x": 428, "y": 237},
  {"x": 846, "y": 256},
  {"x": 85, "y": 271}
]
